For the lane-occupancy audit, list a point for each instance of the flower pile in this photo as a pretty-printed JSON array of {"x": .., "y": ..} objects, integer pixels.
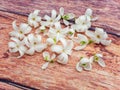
[{"x": 58, "y": 34}]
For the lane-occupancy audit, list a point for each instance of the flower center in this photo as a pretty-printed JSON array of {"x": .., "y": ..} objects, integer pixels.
[
  {"x": 58, "y": 31},
  {"x": 33, "y": 19},
  {"x": 35, "y": 43},
  {"x": 82, "y": 43},
  {"x": 96, "y": 58},
  {"x": 21, "y": 32},
  {"x": 98, "y": 36},
  {"x": 84, "y": 64}
]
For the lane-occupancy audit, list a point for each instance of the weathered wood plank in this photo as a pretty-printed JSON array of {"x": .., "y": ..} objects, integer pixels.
[
  {"x": 102, "y": 9},
  {"x": 27, "y": 70},
  {"x": 4, "y": 86}
]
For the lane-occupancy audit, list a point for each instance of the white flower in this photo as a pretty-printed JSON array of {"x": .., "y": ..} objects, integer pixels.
[
  {"x": 51, "y": 41},
  {"x": 82, "y": 40},
  {"x": 66, "y": 17},
  {"x": 34, "y": 43},
  {"x": 99, "y": 36},
  {"x": 84, "y": 63},
  {"x": 71, "y": 33},
  {"x": 41, "y": 29},
  {"x": 98, "y": 58},
  {"x": 17, "y": 46},
  {"x": 34, "y": 19},
  {"x": 63, "y": 51},
  {"x": 20, "y": 31},
  {"x": 88, "y": 13},
  {"x": 51, "y": 20},
  {"x": 82, "y": 23},
  {"x": 58, "y": 32},
  {"x": 49, "y": 59}
]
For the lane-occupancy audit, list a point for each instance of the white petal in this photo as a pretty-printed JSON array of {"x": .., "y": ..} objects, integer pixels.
[
  {"x": 84, "y": 61},
  {"x": 14, "y": 34},
  {"x": 46, "y": 54},
  {"x": 31, "y": 51},
  {"x": 99, "y": 55},
  {"x": 36, "y": 12},
  {"x": 57, "y": 18},
  {"x": 22, "y": 48},
  {"x": 50, "y": 41},
  {"x": 88, "y": 66},
  {"x": 56, "y": 48},
  {"x": 58, "y": 25},
  {"x": 91, "y": 59},
  {"x": 101, "y": 62},
  {"x": 62, "y": 58},
  {"x": 40, "y": 47},
  {"x": 53, "y": 56},
  {"x": 23, "y": 27},
  {"x": 14, "y": 25},
  {"x": 45, "y": 65},
  {"x": 80, "y": 47},
  {"x": 106, "y": 42},
  {"x": 82, "y": 38},
  {"x": 13, "y": 49},
  {"x": 11, "y": 44},
  {"x": 61, "y": 11},
  {"x": 54, "y": 13},
  {"x": 69, "y": 45},
  {"x": 88, "y": 12},
  {"x": 66, "y": 22},
  {"x": 90, "y": 34},
  {"x": 64, "y": 42},
  {"x": 78, "y": 67},
  {"x": 15, "y": 39},
  {"x": 38, "y": 19},
  {"x": 31, "y": 38},
  {"x": 21, "y": 54},
  {"x": 46, "y": 17},
  {"x": 99, "y": 31},
  {"x": 71, "y": 15},
  {"x": 95, "y": 19}
]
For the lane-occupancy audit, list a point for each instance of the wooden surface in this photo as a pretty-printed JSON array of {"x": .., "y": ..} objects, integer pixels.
[{"x": 27, "y": 70}]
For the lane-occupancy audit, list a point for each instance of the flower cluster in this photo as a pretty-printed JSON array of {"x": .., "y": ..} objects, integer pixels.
[{"x": 58, "y": 34}]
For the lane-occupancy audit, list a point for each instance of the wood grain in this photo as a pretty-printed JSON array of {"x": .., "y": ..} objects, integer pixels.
[{"x": 27, "y": 70}]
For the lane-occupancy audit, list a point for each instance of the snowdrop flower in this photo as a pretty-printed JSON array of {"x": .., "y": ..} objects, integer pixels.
[
  {"x": 98, "y": 58},
  {"x": 63, "y": 51},
  {"x": 84, "y": 63},
  {"x": 34, "y": 19},
  {"x": 57, "y": 32},
  {"x": 88, "y": 13},
  {"x": 66, "y": 17},
  {"x": 51, "y": 20},
  {"x": 33, "y": 42},
  {"x": 47, "y": 58},
  {"x": 82, "y": 40},
  {"x": 82, "y": 23},
  {"x": 99, "y": 36},
  {"x": 17, "y": 46},
  {"x": 20, "y": 31}
]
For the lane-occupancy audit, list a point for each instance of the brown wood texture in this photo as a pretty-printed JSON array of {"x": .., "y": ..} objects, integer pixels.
[{"x": 27, "y": 70}]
